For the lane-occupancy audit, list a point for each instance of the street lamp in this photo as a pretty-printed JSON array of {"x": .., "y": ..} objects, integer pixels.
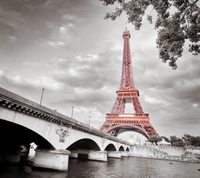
[
  {"x": 41, "y": 96},
  {"x": 89, "y": 120},
  {"x": 72, "y": 112}
]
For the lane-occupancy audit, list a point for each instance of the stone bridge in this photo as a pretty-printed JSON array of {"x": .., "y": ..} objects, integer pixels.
[{"x": 57, "y": 136}]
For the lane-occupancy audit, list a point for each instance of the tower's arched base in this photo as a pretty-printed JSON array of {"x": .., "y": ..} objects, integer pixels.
[{"x": 117, "y": 124}]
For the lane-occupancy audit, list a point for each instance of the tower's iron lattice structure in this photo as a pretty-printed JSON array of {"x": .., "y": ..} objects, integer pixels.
[{"x": 118, "y": 121}]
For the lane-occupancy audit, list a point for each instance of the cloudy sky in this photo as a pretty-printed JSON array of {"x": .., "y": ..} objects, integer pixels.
[{"x": 70, "y": 50}]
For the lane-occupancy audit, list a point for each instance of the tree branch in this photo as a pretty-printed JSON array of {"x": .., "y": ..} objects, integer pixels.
[{"x": 189, "y": 9}]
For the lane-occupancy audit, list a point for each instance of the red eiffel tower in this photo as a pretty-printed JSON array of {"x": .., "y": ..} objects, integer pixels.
[{"x": 118, "y": 121}]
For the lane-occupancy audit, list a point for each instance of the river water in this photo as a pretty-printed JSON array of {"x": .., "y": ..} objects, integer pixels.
[{"x": 130, "y": 167}]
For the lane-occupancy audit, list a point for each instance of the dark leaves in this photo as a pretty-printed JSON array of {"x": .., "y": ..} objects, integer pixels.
[
  {"x": 194, "y": 49},
  {"x": 174, "y": 26},
  {"x": 114, "y": 15}
]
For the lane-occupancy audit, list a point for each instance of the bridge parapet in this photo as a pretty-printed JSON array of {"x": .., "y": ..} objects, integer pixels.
[{"x": 18, "y": 103}]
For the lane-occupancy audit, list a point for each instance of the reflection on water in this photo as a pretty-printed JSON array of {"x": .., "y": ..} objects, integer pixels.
[{"x": 114, "y": 168}]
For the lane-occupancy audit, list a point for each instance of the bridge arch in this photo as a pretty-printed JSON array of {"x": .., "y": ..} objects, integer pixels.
[
  {"x": 121, "y": 148},
  {"x": 127, "y": 149},
  {"x": 110, "y": 147},
  {"x": 86, "y": 143},
  {"x": 16, "y": 135}
]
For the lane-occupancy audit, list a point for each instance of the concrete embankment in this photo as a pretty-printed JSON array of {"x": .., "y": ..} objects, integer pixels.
[{"x": 165, "y": 153}]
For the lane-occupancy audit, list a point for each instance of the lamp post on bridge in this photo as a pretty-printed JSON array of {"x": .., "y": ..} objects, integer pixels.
[
  {"x": 41, "y": 96},
  {"x": 89, "y": 120},
  {"x": 72, "y": 112}
]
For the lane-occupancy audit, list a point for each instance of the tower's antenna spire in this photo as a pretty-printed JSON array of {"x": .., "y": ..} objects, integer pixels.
[{"x": 126, "y": 26}]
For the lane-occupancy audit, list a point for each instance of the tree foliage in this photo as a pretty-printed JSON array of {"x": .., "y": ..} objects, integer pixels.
[
  {"x": 175, "y": 141},
  {"x": 155, "y": 139},
  {"x": 176, "y": 21},
  {"x": 186, "y": 140},
  {"x": 191, "y": 140}
]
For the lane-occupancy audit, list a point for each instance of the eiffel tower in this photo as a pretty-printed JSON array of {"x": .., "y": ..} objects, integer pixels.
[{"x": 118, "y": 121}]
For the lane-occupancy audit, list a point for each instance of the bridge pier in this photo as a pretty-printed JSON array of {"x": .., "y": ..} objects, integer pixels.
[
  {"x": 89, "y": 154},
  {"x": 97, "y": 155},
  {"x": 73, "y": 154},
  {"x": 51, "y": 159},
  {"x": 114, "y": 154},
  {"x": 124, "y": 153},
  {"x": 83, "y": 154}
]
